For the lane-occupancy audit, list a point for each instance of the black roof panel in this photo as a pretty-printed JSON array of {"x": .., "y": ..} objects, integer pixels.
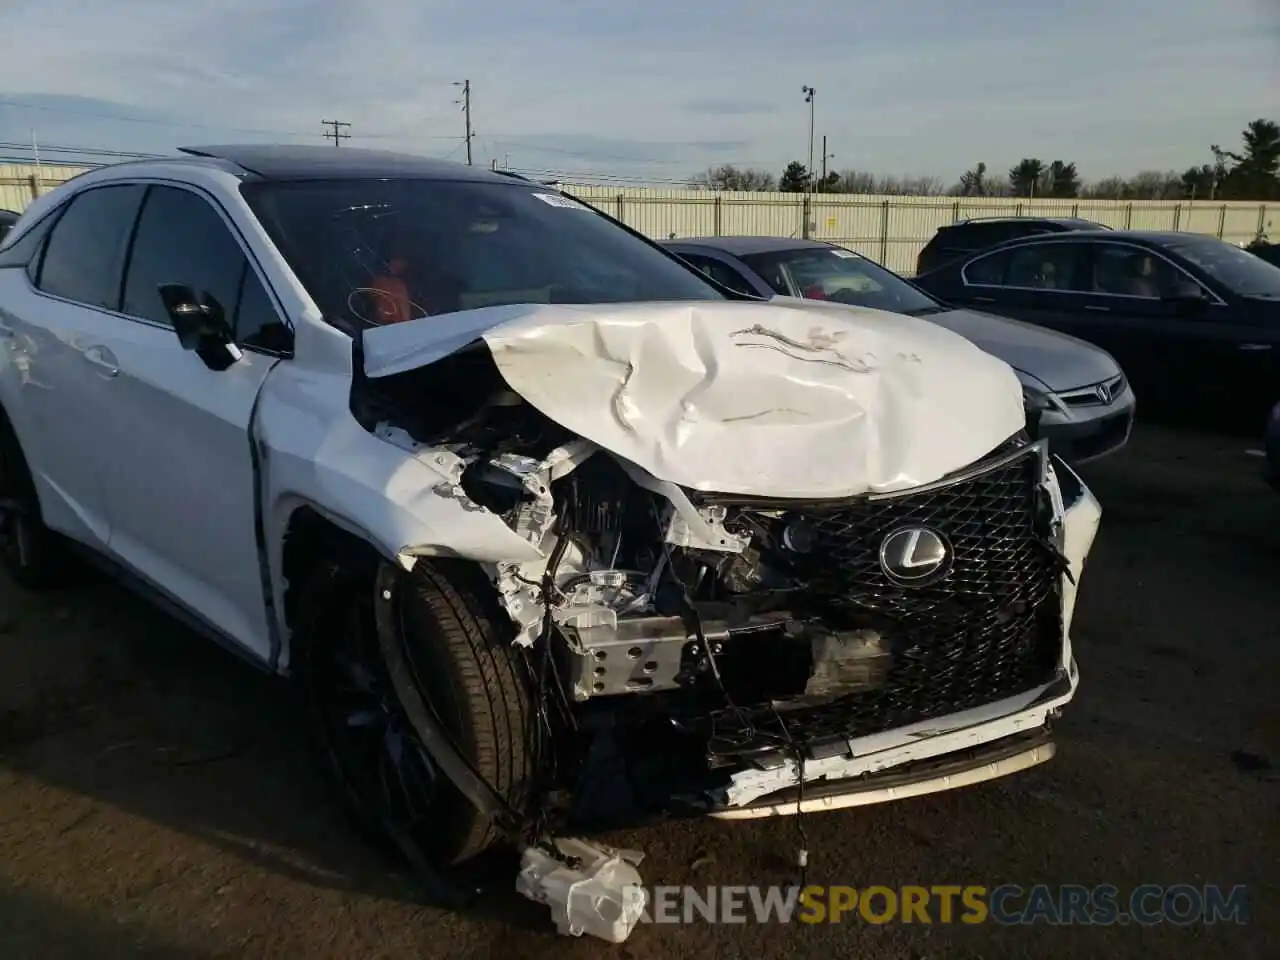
[{"x": 275, "y": 162}]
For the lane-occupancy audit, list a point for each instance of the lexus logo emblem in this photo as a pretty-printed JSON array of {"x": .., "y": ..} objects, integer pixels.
[
  {"x": 915, "y": 556},
  {"x": 1103, "y": 390}
]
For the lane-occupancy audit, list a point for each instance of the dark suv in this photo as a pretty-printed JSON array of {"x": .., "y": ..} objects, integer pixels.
[{"x": 967, "y": 236}]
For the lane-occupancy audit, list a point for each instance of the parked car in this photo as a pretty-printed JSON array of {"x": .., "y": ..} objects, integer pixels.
[
  {"x": 549, "y": 530},
  {"x": 1076, "y": 395},
  {"x": 1269, "y": 252},
  {"x": 978, "y": 233},
  {"x": 1194, "y": 321},
  {"x": 7, "y": 219},
  {"x": 1271, "y": 448}
]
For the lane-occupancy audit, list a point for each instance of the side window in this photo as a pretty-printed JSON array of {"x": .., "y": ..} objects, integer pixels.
[
  {"x": 1045, "y": 266},
  {"x": 181, "y": 239},
  {"x": 987, "y": 271},
  {"x": 722, "y": 273},
  {"x": 85, "y": 253},
  {"x": 1120, "y": 270},
  {"x": 26, "y": 251},
  {"x": 257, "y": 323}
]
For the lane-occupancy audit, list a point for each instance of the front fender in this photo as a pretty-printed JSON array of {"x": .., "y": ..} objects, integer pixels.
[{"x": 405, "y": 504}]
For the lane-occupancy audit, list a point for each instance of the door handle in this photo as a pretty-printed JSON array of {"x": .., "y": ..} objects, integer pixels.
[
  {"x": 984, "y": 299},
  {"x": 1097, "y": 309},
  {"x": 1254, "y": 347},
  {"x": 103, "y": 359}
]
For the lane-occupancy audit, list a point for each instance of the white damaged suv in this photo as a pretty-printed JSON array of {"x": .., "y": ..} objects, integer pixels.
[{"x": 553, "y": 533}]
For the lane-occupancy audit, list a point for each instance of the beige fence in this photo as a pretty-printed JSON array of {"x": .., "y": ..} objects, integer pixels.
[
  {"x": 891, "y": 230},
  {"x": 20, "y": 183}
]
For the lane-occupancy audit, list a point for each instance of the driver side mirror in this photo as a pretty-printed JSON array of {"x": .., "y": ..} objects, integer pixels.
[{"x": 201, "y": 324}]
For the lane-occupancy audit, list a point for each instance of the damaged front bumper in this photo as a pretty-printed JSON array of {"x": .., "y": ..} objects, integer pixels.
[{"x": 971, "y": 746}]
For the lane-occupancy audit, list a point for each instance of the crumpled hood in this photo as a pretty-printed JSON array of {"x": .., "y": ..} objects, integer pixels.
[
  {"x": 759, "y": 399},
  {"x": 1058, "y": 360}
]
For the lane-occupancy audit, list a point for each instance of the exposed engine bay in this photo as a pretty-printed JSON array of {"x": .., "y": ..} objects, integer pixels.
[{"x": 685, "y": 641}]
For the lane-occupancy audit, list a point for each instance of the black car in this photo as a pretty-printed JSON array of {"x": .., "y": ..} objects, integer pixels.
[
  {"x": 1269, "y": 252},
  {"x": 969, "y": 236},
  {"x": 1271, "y": 449},
  {"x": 1194, "y": 321},
  {"x": 7, "y": 219}
]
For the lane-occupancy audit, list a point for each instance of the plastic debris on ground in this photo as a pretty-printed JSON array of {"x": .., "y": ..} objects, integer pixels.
[{"x": 590, "y": 888}]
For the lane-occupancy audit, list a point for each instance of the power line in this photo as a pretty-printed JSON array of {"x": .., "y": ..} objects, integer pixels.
[
  {"x": 151, "y": 120},
  {"x": 260, "y": 131},
  {"x": 336, "y": 135},
  {"x": 86, "y": 151}
]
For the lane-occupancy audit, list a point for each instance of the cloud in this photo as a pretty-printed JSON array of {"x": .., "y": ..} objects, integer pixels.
[{"x": 657, "y": 90}]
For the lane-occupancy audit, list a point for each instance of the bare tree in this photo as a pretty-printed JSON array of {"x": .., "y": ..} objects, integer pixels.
[
  {"x": 1108, "y": 188},
  {"x": 729, "y": 177},
  {"x": 973, "y": 183}
]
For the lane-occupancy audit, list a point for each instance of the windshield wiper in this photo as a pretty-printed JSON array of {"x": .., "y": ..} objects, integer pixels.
[{"x": 925, "y": 311}]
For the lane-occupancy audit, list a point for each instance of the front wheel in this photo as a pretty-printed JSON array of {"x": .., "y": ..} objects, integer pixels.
[{"x": 462, "y": 664}]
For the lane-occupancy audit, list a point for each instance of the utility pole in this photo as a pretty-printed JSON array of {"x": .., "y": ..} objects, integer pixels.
[
  {"x": 466, "y": 113},
  {"x": 336, "y": 135},
  {"x": 825, "y": 157}
]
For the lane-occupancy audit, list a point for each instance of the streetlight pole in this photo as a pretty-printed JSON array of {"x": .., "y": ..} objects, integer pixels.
[{"x": 809, "y": 94}]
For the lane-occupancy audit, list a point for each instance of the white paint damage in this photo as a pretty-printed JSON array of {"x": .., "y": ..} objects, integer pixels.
[{"x": 755, "y": 399}]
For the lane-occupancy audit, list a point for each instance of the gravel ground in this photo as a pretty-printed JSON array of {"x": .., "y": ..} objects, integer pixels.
[{"x": 156, "y": 801}]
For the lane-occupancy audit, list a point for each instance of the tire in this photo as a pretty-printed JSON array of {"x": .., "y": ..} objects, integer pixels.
[
  {"x": 466, "y": 670},
  {"x": 33, "y": 555}
]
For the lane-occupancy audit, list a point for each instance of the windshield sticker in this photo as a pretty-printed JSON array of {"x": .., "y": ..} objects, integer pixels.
[
  {"x": 556, "y": 200},
  {"x": 846, "y": 254}
]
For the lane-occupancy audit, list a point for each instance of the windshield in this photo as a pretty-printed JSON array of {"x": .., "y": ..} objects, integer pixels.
[
  {"x": 1238, "y": 270},
  {"x": 831, "y": 273},
  {"x": 373, "y": 252}
]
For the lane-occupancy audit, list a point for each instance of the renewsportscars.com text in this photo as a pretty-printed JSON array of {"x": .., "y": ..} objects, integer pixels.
[{"x": 1006, "y": 904}]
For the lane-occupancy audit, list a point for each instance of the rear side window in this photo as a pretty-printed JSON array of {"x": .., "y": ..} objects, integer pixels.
[
  {"x": 989, "y": 270},
  {"x": 85, "y": 252},
  {"x": 722, "y": 273},
  {"x": 25, "y": 252},
  {"x": 1039, "y": 266}
]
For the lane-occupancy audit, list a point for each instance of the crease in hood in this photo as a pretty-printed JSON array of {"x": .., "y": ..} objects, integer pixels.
[{"x": 803, "y": 400}]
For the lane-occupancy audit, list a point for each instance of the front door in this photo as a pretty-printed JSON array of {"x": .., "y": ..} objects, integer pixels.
[{"x": 181, "y": 484}]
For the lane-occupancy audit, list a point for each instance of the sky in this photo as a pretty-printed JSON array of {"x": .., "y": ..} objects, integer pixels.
[{"x": 652, "y": 91}]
